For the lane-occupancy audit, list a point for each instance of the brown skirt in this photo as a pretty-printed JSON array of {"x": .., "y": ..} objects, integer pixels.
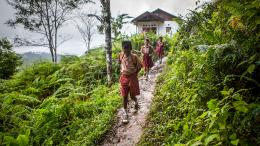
[
  {"x": 159, "y": 50},
  {"x": 147, "y": 61}
]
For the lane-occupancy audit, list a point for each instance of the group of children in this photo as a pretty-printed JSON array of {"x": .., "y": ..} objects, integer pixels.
[{"x": 130, "y": 66}]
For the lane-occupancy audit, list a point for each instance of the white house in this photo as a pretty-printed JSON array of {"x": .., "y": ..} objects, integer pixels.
[{"x": 158, "y": 21}]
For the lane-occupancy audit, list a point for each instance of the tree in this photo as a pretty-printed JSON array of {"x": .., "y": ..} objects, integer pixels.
[
  {"x": 106, "y": 19},
  {"x": 9, "y": 60},
  {"x": 105, "y": 26},
  {"x": 118, "y": 22},
  {"x": 86, "y": 28},
  {"x": 44, "y": 17}
]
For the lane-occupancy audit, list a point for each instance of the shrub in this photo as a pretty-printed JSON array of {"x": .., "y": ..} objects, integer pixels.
[{"x": 9, "y": 60}]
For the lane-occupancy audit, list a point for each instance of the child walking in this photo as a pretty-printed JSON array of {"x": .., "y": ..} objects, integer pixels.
[
  {"x": 130, "y": 66},
  {"x": 159, "y": 49},
  {"x": 147, "y": 52}
]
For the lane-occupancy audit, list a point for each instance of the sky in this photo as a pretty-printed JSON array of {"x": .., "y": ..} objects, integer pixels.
[{"x": 76, "y": 45}]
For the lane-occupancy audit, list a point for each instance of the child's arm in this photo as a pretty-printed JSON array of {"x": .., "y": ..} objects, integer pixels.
[
  {"x": 141, "y": 50},
  {"x": 119, "y": 61},
  {"x": 136, "y": 51},
  {"x": 119, "y": 58},
  {"x": 151, "y": 50},
  {"x": 138, "y": 64}
]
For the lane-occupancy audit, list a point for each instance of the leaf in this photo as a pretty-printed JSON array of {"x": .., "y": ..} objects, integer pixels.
[
  {"x": 23, "y": 140},
  {"x": 185, "y": 128},
  {"x": 212, "y": 104},
  {"x": 222, "y": 125},
  {"x": 9, "y": 140},
  {"x": 202, "y": 116},
  {"x": 211, "y": 138},
  {"x": 237, "y": 96},
  {"x": 27, "y": 132},
  {"x": 240, "y": 106},
  {"x": 251, "y": 68},
  {"x": 235, "y": 142},
  {"x": 197, "y": 143},
  {"x": 233, "y": 136},
  {"x": 224, "y": 93}
]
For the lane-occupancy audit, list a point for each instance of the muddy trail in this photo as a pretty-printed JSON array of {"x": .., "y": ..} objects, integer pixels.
[{"x": 129, "y": 134}]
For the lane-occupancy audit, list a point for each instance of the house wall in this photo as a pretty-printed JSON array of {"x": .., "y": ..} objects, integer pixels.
[
  {"x": 174, "y": 26},
  {"x": 161, "y": 27},
  {"x": 150, "y": 23}
]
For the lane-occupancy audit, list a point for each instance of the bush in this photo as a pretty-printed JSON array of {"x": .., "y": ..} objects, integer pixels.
[{"x": 9, "y": 60}]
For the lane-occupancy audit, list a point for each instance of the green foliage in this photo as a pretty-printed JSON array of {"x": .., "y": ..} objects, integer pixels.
[
  {"x": 58, "y": 104},
  {"x": 208, "y": 93},
  {"x": 68, "y": 59},
  {"x": 79, "y": 122},
  {"x": 9, "y": 60},
  {"x": 117, "y": 24}
]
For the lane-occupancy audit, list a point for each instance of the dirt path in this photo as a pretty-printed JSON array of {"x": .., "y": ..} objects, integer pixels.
[{"x": 129, "y": 134}]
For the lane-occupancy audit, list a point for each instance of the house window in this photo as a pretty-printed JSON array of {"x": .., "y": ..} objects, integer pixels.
[
  {"x": 168, "y": 29},
  {"x": 150, "y": 29}
]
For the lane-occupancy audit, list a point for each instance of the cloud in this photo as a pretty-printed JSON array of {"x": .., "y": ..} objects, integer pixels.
[{"x": 76, "y": 45}]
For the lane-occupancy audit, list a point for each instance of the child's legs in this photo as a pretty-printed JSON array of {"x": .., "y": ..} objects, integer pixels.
[
  {"x": 125, "y": 102},
  {"x": 124, "y": 93},
  {"x": 134, "y": 89},
  {"x": 146, "y": 70},
  {"x": 160, "y": 57},
  {"x": 134, "y": 98}
]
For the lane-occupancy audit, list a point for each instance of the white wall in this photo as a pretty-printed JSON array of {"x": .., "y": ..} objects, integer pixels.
[{"x": 174, "y": 26}]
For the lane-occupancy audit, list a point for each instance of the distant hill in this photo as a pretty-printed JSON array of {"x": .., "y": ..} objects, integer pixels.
[{"x": 32, "y": 57}]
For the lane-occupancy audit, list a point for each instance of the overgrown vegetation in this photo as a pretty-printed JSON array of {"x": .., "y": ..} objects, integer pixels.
[
  {"x": 67, "y": 103},
  {"x": 58, "y": 104},
  {"x": 208, "y": 93}
]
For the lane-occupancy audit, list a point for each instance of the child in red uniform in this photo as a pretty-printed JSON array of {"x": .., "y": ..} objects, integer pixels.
[
  {"x": 159, "y": 48},
  {"x": 147, "y": 51},
  {"x": 130, "y": 66}
]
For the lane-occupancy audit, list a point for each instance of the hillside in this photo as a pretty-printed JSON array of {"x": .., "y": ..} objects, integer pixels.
[
  {"x": 55, "y": 104},
  {"x": 29, "y": 58},
  {"x": 64, "y": 103}
]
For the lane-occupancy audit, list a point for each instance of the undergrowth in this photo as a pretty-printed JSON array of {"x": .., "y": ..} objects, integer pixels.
[
  {"x": 209, "y": 93},
  {"x": 58, "y": 104}
]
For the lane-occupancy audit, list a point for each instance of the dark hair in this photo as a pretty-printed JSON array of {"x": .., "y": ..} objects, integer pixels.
[
  {"x": 147, "y": 40},
  {"x": 126, "y": 45},
  {"x": 160, "y": 38}
]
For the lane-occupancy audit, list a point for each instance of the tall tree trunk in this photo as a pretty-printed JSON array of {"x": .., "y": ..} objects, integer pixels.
[
  {"x": 107, "y": 26},
  {"x": 49, "y": 31},
  {"x": 88, "y": 47},
  {"x": 52, "y": 54},
  {"x": 88, "y": 38},
  {"x": 55, "y": 55},
  {"x": 56, "y": 31}
]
